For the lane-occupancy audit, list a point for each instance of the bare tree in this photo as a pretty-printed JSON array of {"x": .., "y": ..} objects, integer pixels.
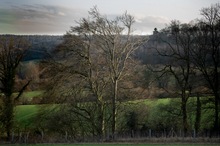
[
  {"x": 179, "y": 40},
  {"x": 114, "y": 40},
  {"x": 78, "y": 76},
  {"x": 101, "y": 50},
  {"x": 12, "y": 50},
  {"x": 206, "y": 53}
]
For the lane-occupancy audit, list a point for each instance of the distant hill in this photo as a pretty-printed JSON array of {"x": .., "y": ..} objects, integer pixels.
[{"x": 40, "y": 45}]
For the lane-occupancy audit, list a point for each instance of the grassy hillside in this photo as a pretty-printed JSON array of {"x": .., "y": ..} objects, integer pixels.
[
  {"x": 153, "y": 112},
  {"x": 25, "y": 115},
  {"x": 32, "y": 94},
  {"x": 28, "y": 97}
]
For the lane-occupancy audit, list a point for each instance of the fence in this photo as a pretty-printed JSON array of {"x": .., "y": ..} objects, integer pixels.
[{"x": 126, "y": 136}]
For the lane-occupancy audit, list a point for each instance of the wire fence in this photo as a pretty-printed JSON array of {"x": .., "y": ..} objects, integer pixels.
[{"x": 148, "y": 135}]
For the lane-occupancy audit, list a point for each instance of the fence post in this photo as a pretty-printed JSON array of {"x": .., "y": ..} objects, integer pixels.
[
  {"x": 42, "y": 135},
  {"x": 26, "y": 137},
  {"x": 194, "y": 133},
  {"x": 149, "y": 133},
  {"x": 20, "y": 135},
  {"x": 12, "y": 137},
  {"x": 66, "y": 135},
  {"x": 180, "y": 133}
]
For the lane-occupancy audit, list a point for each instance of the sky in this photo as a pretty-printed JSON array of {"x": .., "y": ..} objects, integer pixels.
[{"x": 55, "y": 17}]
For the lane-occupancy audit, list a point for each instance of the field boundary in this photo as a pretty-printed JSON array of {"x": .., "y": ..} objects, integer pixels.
[{"x": 160, "y": 140}]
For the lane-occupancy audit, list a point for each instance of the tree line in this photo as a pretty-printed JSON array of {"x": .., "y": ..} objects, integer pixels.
[{"x": 193, "y": 58}]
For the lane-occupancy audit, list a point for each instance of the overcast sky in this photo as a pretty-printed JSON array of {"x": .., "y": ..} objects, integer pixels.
[{"x": 56, "y": 16}]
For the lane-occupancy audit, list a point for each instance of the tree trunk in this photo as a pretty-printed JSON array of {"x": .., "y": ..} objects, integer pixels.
[
  {"x": 8, "y": 115},
  {"x": 184, "y": 112},
  {"x": 198, "y": 115},
  {"x": 114, "y": 109},
  {"x": 216, "y": 122},
  {"x": 101, "y": 122}
]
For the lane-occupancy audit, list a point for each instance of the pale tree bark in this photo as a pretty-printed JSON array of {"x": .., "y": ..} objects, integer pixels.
[
  {"x": 81, "y": 67},
  {"x": 113, "y": 40},
  {"x": 98, "y": 51}
]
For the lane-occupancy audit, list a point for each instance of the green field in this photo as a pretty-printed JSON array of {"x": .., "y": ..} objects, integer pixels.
[
  {"x": 24, "y": 114},
  {"x": 32, "y": 94},
  {"x": 115, "y": 144},
  {"x": 27, "y": 97}
]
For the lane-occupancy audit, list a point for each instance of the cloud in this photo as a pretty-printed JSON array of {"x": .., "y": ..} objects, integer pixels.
[
  {"x": 61, "y": 14},
  {"x": 5, "y": 16},
  {"x": 36, "y": 12},
  {"x": 53, "y": 19},
  {"x": 146, "y": 24},
  {"x": 38, "y": 19}
]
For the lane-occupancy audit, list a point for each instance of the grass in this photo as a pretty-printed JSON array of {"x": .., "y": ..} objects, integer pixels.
[
  {"x": 32, "y": 94},
  {"x": 28, "y": 96},
  {"x": 24, "y": 114},
  {"x": 116, "y": 144}
]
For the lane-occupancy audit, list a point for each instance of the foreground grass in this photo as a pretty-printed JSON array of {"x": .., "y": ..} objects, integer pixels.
[{"x": 116, "y": 144}]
